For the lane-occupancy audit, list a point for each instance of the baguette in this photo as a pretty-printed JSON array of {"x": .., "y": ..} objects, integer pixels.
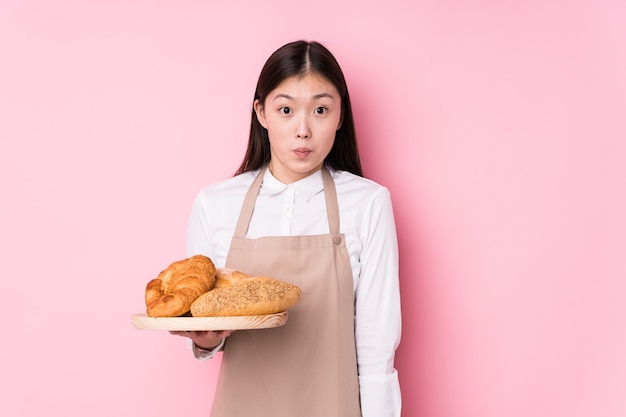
[{"x": 250, "y": 296}]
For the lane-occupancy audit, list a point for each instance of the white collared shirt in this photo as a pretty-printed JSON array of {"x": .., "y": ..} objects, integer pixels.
[{"x": 299, "y": 208}]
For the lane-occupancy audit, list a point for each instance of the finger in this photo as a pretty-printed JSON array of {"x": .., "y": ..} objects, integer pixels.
[{"x": 187, "y": 333}]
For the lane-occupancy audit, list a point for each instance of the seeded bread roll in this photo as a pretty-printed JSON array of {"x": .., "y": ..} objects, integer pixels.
[
  {"x": 247, "y": 297},
  {"x": 171, "y": 293}
]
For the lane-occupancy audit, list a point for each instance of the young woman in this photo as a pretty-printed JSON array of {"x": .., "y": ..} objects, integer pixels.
[{"x": 299, "y": 210}]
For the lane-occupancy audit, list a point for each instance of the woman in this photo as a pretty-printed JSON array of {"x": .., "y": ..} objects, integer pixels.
[{"x": 299, "y": 210}]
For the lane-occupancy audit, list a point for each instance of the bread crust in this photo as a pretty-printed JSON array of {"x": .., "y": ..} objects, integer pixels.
[
  {"x": 173, "y": 291},
  {"x": 227, "y": 276},
  {"x": 251, "y": 296}
]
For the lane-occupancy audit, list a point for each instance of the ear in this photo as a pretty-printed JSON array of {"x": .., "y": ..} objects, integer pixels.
[{"x": 260, "y": 113}]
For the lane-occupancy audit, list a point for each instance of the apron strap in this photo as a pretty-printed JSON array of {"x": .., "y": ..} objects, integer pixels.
[
  {"x": 248, "y": 205},
  {"x": 332, "y": 206}
]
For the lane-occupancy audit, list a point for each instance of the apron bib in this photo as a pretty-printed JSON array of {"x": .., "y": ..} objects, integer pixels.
[{"x": 306, "y": 368}]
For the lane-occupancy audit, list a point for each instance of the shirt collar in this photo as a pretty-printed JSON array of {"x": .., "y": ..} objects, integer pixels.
[{"x": 306, "y": 187}]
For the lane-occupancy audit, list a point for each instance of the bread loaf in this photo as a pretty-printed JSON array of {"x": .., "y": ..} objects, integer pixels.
[
  {"x": 171, "y": 293},
  {"x": 226, "y": 276},
  {"x": 247, "y": 296}
]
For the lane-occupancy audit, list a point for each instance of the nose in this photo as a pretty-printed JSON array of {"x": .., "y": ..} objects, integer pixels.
[{"x": 302, "y": 130}]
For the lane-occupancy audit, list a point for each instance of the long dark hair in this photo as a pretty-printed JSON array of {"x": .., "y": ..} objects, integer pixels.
[{"x": 298, "y": 59}]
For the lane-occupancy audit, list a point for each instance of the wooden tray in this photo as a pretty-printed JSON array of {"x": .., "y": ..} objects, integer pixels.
[{"x": 145, "y": 322}]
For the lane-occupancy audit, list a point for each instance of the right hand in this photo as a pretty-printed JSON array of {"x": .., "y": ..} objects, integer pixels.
[{"x": 206, "y": 340}]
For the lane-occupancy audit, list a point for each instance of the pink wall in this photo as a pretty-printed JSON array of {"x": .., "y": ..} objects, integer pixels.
[{"x": 498, "y": 126}]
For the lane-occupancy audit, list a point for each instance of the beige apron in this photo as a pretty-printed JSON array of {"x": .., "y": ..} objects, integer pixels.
[{"x": 306, "y": 368}]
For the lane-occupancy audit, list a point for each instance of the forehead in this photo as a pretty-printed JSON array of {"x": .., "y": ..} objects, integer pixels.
[{"x": 306, "y": 86}]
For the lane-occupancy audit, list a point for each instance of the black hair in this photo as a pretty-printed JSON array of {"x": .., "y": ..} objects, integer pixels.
[{"x": 298, "y": 59}]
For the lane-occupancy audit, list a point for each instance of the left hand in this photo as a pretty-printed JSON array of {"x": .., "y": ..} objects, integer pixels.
[{"x": 206, "y": 340}]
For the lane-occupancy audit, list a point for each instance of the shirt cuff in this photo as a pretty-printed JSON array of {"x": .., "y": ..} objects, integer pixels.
[
  {"x": 380, "y": 395},
  {"x": 205, "y": 354}
]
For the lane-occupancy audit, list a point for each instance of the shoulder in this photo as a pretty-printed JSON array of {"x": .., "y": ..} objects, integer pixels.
[
  {"x": 228, "y": 188},
  {"x": 353, "y": 185},
  {"x": 361, "y": 199}
]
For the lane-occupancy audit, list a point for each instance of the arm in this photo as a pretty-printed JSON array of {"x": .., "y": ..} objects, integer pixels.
[
  {"x": 377, "y": 310},
  {"x": 204, "y": 344}
]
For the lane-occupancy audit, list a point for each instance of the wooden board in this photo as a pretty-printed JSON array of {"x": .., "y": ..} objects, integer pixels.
[{"x": 145, "y": 322}]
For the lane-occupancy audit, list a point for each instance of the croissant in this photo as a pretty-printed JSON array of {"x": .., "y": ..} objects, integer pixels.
[
  {"x": 247, "y": 297},
  {"x": 171, "y": 293}
]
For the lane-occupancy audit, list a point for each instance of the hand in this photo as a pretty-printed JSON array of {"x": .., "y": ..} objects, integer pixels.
[{"x": 206, "y": 340}]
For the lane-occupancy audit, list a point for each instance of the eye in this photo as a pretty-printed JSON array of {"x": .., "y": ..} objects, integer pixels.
[
  {"x": 285, "y": 110},
  {"x": 321, "y": 110}
]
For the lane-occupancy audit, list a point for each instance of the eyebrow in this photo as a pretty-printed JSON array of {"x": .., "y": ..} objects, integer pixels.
[{"x": 315, "y": 97}]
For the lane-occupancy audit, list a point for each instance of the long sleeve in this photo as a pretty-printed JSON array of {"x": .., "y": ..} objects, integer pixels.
[{"x": 378, "y": 315}]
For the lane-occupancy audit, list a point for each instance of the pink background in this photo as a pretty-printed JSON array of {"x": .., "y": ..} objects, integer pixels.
[{"x": 498, "y": 126}]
